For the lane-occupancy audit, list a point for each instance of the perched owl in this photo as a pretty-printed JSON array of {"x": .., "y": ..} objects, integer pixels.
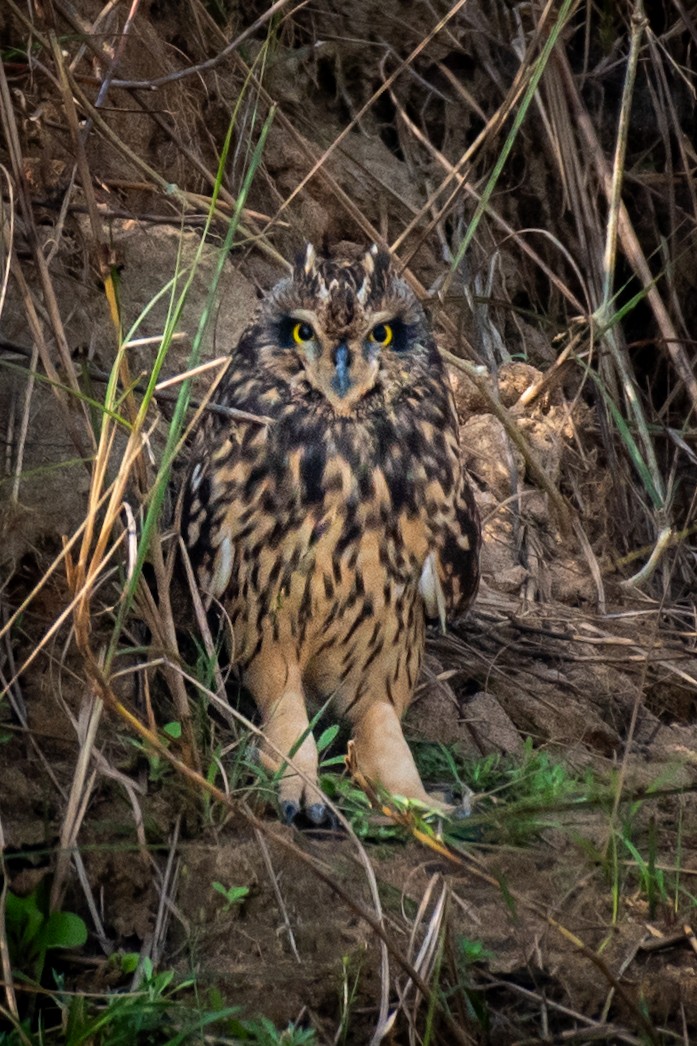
[{"x": 332, "y": 531}]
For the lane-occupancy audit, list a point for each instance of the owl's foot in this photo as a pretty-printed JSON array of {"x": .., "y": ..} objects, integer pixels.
[
  {"x": 445, "y": 802},
  {"x": 383, "y": 756},
  {"x": 287, "y": 730},
  {"x": 298, "y": 793},
  {"x": 318, "y": 815}
]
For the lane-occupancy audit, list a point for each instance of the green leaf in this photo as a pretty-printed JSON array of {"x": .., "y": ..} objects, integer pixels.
[
  {"x": 173, "y": 730},
  {"x": 64, "y": 930},
  {"x": 327, "y": 736},
  {"x": 129, "y": 961},
  {"x": 24, "y": 918},
  {"x": 232, "y": 894},
  {"x": 335, "y": 760}
]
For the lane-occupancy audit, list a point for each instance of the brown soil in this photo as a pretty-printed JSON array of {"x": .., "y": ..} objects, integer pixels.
[{"x": 601, "y": 676}]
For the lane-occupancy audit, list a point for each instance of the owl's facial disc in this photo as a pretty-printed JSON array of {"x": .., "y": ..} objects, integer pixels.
[
  {"x": 350, "y": 328},
  {"x": 344, "y": 371},
  {"x": 343, "y": 365}
]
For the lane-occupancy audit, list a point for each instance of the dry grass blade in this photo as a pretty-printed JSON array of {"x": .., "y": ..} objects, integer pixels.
[
  {"x": 671, "y": 341},
  {"x": 424, "y": 959},
  {"x": 355, "y": 121},
  {"x": 50, "y": 300},
  {"x": 5, "y": 960},
  {"x": 78, "y": 798},
  {"x": 168, "y": 889},
  {"x": 263, "y": 846},
  {"x": 534, "y": 71},
  {"x": 7, "y": 218}
]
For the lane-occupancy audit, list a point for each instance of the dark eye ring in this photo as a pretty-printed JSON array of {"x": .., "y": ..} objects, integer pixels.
[
  {"x": 302, "y": 332},
  {"x": 382, "y": 334}
]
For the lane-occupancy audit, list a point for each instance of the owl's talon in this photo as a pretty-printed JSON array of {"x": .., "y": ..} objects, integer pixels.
[
  {"x": 317, "y": 813},
  {"x": 289, "y": 811},
  {"x": 464, "y": 806}
]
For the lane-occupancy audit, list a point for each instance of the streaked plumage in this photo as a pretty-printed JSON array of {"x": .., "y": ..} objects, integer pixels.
[{"x": 331, "y": 532}]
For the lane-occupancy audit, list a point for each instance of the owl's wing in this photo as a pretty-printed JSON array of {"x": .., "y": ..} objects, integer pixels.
[
  {"x": 450, "y": 576},
  {"x": 214, "y": 461}
]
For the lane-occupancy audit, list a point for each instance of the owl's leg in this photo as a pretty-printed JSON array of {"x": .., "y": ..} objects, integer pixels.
[
  {"x": 278, "y": 691},
  {"x": 383, "y": 755},
  {"x": 387, "y": 688}
]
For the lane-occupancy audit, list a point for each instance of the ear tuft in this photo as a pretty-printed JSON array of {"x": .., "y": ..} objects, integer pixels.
[
  {"x": 381, "y": 267},
  {"x": 310, "y": 259},
  {"x": 369, "y": 260},
  {"x": 305, "y": 261}
]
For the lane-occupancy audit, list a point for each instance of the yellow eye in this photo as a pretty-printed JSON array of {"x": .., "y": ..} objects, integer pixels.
[
  {"x": 382, "y": 334},
  {"x": 302, "y": 332}
]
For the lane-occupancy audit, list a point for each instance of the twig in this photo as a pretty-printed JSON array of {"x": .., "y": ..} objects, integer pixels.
[
  {"x": 80, "y": 792},
  {"x": 5, "y": 959},
  {"x": 629, "y": 239},
  {"x": 12, "y": 138},
  {"x": 266, "y": 857},
  {"x": 167, "y": 887}
]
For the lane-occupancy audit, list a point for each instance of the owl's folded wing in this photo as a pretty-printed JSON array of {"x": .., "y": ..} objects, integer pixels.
[{"x": 450, "y": 575}]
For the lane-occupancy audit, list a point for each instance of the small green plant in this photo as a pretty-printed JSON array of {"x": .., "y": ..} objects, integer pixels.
[
  {"x": 234, "y": 895},
  {"x": 356, "y": 808},
  {"x": 514, "y": 799},
  {"x": 263, "y": 1032},
  {"x": 33, "y": 930},
  {"x": 162, "y": 1010},
  {"x": 471, "y": 951},
  {"x": 158, "y": 768},
  {"x": 651, "y": 879},
  {"x": 323, "y": 742},
  {"x": 160, "y": 1007},
  {"x": 468, "y": 953},
  {"x": 652, "y": 883},
  {"x": 350, "y": 980}
]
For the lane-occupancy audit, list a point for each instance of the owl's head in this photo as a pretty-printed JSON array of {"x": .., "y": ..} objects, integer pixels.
[{"x": 347, "y": 326}]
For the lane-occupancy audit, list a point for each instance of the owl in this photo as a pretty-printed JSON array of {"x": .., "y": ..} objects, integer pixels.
[{"x": 334, "y": 526}]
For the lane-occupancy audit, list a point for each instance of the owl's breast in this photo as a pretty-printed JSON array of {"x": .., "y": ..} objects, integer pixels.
[{"x": 314, "y": 516}]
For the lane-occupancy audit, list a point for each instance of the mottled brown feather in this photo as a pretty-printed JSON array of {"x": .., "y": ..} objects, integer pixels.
[{"x": 314, "y": 530}]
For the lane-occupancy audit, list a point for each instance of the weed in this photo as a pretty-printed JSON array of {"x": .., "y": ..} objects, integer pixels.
[
  {"x": 515, "y": 798},
  {"x": 468, "y": 954},
  {"x": 158, "y": 767},
  {"x": 33, "y": 930},
  {"x": 162, "y": 1010},
  {"x": 356, "y": 807},
  {"x": 234, "y": 895},
  {"x": 350, "y": 979}
]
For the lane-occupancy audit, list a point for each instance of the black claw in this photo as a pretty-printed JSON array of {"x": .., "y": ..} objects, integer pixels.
[
  {"x": 317, "y": 813},
  {"x": 333, "y": 823},
  {"x": 289, "y": 811}
]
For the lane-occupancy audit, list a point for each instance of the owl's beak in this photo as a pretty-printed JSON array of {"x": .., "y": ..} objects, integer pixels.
[{"x": 341, "y": 380}]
